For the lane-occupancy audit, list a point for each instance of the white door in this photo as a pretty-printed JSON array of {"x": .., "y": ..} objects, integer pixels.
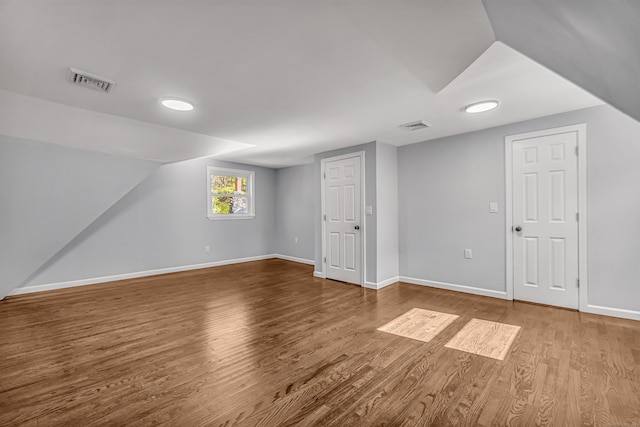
[
  {"x": 545, "y": 219},
  {"x": 343, "y": 243}
]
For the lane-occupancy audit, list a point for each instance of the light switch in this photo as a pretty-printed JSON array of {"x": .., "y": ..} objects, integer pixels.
[
  {"x": 368, "y": 210},
  {"x": 493, "y": 207},
  {"x": 468, "y": 254}
]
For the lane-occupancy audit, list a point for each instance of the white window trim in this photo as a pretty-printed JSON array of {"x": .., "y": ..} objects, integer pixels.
[{"x": 250, "y": 175}]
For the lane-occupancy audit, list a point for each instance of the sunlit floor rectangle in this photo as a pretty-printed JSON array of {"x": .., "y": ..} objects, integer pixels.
[
  {"x": 419, "y": 324},
  {"x": 485, "y": 338}
]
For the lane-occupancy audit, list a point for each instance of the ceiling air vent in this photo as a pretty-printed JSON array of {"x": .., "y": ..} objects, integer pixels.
[
  {"x": 84, "y": 79},
  {"x": 415, "y": 125}
]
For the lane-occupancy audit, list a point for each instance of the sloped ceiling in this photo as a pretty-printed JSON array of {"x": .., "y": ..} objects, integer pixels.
[
  {"x": 273, "y": 81},
  {"x": 39, "y": 120},
  {"x": 593, "y": 43}
]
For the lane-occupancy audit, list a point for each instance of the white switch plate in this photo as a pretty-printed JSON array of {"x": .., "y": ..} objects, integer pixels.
[
  {"x": 468, "y": 254},
  {"x": 295, "y": 240},
  {"x": 368, "y": 210},
  {"x": 493, "y": 207},
  {"x": 207, "y": 249}
]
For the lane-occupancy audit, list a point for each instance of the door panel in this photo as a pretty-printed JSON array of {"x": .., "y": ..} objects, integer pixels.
[
  {"x": 349, "y": 203},
  {"x": 343, "y": 211},
  {"x": 545, "y": 206},
  {"x": 558, "y": 263},
  {"x": 558, "y": 199},
  {"x": 531, "y": 261},
  {"x": 334, "y": 250},
  {"x": 334, "y": 203},
  {"x": 531, "y": 197},
  {"x": 350, "y": 251}
]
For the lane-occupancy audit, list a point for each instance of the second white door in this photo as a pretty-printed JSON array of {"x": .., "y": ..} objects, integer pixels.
[
  {"x": 545, "y": 218},
  {"x": 343, "y": 244}
]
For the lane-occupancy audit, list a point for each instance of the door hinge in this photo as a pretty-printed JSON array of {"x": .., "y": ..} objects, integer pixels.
[
  {"x": 578, "y": 282},
  {"x": 577, "y": 216},
  {"x": 325, "y": 259},
  {"x": 577, "y": 150},
  {"x": 324, "y": 217},
  {"x": 324, "y": 175}
]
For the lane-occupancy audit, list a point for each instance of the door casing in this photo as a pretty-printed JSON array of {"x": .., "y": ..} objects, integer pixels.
[
  {"x": 581, "y": 130},
  {"x": 363, "y": 230}
]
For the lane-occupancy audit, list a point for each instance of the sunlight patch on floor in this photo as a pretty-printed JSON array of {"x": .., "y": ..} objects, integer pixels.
[
  {"x": 489, "y": 339},
  {"x": 419, "y": 324}
]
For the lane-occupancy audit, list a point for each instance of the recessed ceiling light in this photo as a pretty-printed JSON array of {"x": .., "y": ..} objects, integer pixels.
[
  {"x": 480, "y": 107},
  {"x": 177, "y": 104}
]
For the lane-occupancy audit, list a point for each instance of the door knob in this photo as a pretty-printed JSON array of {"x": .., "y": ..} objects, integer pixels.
[
  {"x": 357, "y": 227},
  {"x": 518, "y": 229}
]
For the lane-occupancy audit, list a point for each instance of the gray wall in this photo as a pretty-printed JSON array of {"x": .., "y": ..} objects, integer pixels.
[
  {"x": 162, "y": 223},
  {"x": 48, "y": 195},
  {"x": 370, "y": 200},
  {"x": 387, "y": 210},
  {"x": 295, "y": 211},
  {"x": 446, "y": 186},
  {"x": 592, "y": 43},
  {"x": 613, "y": 150},
  {"x": 445, "y": 189}
]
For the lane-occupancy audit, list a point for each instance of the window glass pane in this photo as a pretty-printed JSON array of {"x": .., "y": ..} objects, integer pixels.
[
  {"x": 228, "y": 185},
  {"x": 230, "y": 193},
  {"x": 230, "y": 205}
]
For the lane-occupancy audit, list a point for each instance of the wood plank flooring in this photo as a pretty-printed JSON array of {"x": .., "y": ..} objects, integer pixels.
[{"x": 267, "y": 344}]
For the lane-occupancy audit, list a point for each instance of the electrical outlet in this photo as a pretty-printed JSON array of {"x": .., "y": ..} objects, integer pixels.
[
  {"x": 468, "y": 254},
  {"x": 207, "y": 249}
]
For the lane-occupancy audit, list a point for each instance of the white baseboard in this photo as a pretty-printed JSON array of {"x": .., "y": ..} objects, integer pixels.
[
  {"x": 613, "y": 312},
  {"x": 318, "y": 274},
  {"x": 389, "y": 281},
  {"x": 383, "y": 284},
  {"x": 454, "y": 287},
  {"x": 295, "y": 259},
  {"x": 104, "y": 279}
]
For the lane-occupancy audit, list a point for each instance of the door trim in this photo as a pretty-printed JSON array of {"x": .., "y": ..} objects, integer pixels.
[
  {"x": 581, "y": 130},
  {"x": 363, "y": 218}
]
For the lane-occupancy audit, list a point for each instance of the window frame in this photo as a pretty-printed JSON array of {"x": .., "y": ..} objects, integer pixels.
[{"x": 250, "y": 195}]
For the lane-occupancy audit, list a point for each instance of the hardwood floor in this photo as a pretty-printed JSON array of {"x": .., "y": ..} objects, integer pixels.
[{"x": 265, "y": 343}]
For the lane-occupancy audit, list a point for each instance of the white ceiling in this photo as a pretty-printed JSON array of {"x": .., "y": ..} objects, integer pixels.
[{"x": 273, "y": 81}]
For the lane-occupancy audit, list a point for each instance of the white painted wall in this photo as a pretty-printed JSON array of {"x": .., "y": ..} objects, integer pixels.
[
  {"x": 162, "y": 223},
  {"x": 294, "y": 212},
  {"x": 387, "y": 209},
  {"x": 447, "y": 184},
  {"x": 49, "y": 194}
]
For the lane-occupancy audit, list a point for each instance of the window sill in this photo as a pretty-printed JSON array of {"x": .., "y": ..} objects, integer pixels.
[{"x": 229, "y": 217}]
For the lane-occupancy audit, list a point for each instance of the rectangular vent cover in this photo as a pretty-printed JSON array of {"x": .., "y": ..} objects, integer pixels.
[
  {"x": 414, "y": 125},
  {"x": 84, "y": 79}
]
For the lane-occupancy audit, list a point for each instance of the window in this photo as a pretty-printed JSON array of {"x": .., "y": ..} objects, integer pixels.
[{"x": 229, "y": 193}]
